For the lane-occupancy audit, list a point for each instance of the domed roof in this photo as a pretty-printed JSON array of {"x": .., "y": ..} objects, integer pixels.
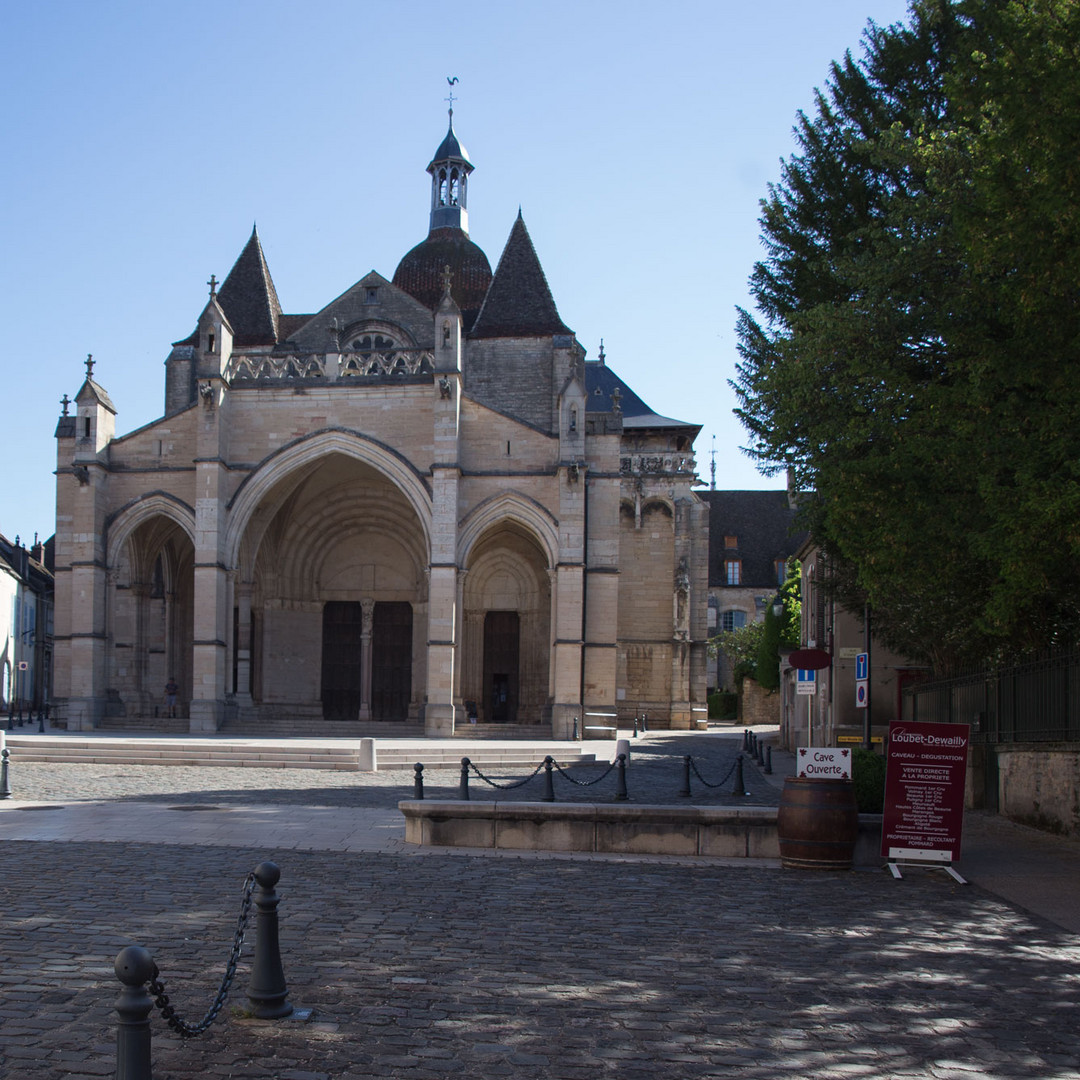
[{"x": 420, "y": 272}]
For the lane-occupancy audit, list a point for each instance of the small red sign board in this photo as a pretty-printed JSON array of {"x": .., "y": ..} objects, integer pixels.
[
  {"x": 810, "y": 659},
  {"x": 924, "y": 792}
]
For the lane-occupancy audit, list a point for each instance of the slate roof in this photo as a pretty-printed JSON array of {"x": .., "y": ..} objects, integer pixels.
[
  {"x": 601, "y": 381},
  {"x": 763, "y": 523},
  {"x": 518, "y": 302},
  {"x": 249, "y": 299},
  {"x": 450, "y": 147}
]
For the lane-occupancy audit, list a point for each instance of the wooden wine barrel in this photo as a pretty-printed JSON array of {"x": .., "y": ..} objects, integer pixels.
[{"x": 817, "y": 824}]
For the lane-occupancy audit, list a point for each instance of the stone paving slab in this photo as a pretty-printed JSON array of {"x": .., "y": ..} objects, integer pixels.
[{"x": 450, "y": 966}]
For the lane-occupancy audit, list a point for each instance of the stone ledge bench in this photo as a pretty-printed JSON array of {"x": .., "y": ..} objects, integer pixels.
[{"x": 615, "y": 828}]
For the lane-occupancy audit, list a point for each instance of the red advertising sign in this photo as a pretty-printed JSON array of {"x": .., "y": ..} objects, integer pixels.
[{"x": 924, "y": 791}]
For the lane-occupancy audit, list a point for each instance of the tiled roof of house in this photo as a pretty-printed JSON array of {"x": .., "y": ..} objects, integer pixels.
[
  {"x": 518, "y": 302},
  {"x": 763, "y": 524}
]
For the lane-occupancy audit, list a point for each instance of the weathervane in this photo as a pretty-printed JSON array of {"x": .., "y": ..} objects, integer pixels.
[{"x": 451, "y": 80}]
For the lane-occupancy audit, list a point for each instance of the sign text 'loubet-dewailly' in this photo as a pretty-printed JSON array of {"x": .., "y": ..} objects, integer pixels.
[{"x": 924, "y": 791}]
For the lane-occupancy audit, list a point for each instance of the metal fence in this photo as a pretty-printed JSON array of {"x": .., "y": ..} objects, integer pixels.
[{"x": 1036, "y": 701}]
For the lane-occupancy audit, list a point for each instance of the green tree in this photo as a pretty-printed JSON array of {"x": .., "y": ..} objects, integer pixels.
[
  {"x": 740, "y": 647},
  {"x": 913, "y": 357}
]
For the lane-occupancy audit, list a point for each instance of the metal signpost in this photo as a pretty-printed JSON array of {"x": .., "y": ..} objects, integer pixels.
[{"x": 924, "y": 795}]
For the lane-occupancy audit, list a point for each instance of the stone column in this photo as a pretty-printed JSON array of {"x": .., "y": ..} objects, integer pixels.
[
  {"x": 367, "y": 606},
  {"x": 243, "y": 644}
]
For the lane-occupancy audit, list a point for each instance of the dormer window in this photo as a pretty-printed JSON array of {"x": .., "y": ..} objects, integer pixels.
[
  {"x": 86, "y": 427},
  {"x": 210, "y": 341},
  {"x": 371, "y": 296},
  {"x": 573, "y": 418}
]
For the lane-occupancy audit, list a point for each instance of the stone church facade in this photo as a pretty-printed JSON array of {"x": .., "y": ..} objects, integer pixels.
[{"x": 420, "y": 508}]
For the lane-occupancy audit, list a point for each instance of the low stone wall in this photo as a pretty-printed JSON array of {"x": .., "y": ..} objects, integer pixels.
[
  {"x": 614, "y": 828},
  {"x": 1040, "y": 787},
  {"x": 758, "y": 706}
]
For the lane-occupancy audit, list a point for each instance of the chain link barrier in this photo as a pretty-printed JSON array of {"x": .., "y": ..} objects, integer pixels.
[
  {"x": 505, "y": 787},
  {"x": 583, "y": 783},
  {"x": 157, "y": 988},
  {"x": 719, "y": 783}
]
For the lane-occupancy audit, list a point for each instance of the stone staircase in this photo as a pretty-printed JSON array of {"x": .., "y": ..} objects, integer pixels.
[{"x": 343, "y": 755}]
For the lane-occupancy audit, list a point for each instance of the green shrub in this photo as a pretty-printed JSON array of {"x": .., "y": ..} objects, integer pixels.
[
  {"x": 868, "y": 777},
  {"x": 723, "y": 705}
]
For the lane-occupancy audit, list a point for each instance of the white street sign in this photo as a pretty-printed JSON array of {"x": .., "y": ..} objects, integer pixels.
[{"x": 824, "y": 762}]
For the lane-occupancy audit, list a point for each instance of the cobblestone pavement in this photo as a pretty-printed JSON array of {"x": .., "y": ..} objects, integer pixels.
[
  {"x": 523, "y": 966},
  {"x": 454, "y": 966},
  {"x": 655, "y": 776}
]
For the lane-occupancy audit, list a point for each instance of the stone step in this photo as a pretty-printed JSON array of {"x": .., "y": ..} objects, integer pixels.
[{"x": 343, "y": 755}]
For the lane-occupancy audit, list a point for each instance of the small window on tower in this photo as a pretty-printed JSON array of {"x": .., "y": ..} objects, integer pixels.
[
  {"x": 210, "y": 342},
  {"x": 372, "y": 295},
  {"x": 731, "y": 541},
  {"x": 86, "y": 427}
]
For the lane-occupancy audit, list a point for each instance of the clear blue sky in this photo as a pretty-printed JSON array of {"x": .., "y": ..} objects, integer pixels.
[{"x": 143, "y": 139}]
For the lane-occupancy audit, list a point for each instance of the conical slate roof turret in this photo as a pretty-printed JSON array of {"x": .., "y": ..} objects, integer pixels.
[
  {"x": 249, "y": 299},
  {"x": 519, "y": 302}
]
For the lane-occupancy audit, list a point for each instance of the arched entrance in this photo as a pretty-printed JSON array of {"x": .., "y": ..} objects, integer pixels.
[
  {"x": 507, "y": 635},
  {"x": 151, "y": 619},
  {"x": 338, "y": 595}
]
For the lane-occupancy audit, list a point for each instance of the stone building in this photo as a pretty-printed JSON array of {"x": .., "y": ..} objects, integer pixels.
[
  {"x": 415, "y": 509},
  {"x": 752, "y": 536}
]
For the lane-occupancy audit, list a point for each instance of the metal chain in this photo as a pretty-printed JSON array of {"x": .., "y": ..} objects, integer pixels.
[
  {"x": 506, "y": 787},
  {"x": 157, "y": 987},
  {"x": 584, "y": 783},
  {"x": 719, "y": 783}
]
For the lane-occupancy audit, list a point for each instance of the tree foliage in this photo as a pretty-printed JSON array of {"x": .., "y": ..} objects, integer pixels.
[{"x": 914, "y": 356}]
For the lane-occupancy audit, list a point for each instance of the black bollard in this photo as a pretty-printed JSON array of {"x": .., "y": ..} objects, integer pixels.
[
  {"x": 134, "y": 967},
  {"x": 620, "y": 786},
  {"x": 746, "y": 739},
  {"x": 549, "y": 787},
  {"x": 418, "y": 781},
  {"x": 5, "y": 784},
  {"x": 644, "y": 723},
  {"x": 684, "y": 791},
  {"x": 576, "y": 736},
  {"x": 635, "y": 727},
  {"x": 267, "y": 991},
  {"x": 41, "y": 720},
  {"x": 768, "y": 761},
  {"x": 740, "y": 784},
  {"x": 463, "y": 785}
]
